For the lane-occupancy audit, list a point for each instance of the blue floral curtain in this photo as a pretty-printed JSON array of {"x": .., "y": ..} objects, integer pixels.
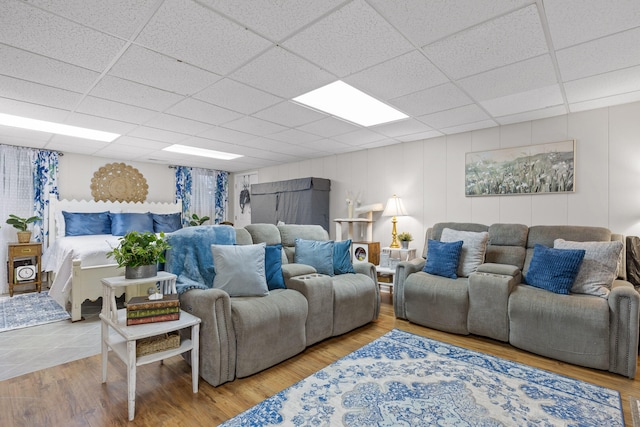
[
  {"x": 204, "y": 192},
  {"x": 221, "y": 196},
  {"x": 45, "y": 182},
  {"x": 183, "y": 191}
]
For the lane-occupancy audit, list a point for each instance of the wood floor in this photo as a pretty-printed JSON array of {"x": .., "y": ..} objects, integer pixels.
[{"x": 72, "y": 394}]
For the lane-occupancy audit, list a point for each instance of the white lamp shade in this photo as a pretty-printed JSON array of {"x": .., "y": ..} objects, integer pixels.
[{"x": 394, "y": 207}]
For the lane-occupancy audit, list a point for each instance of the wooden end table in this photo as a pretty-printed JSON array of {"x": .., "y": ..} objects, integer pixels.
[{"x": 123, "y": 342}]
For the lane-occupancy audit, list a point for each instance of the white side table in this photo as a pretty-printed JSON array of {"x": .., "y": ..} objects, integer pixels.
[{"x": 123, "y": 341}]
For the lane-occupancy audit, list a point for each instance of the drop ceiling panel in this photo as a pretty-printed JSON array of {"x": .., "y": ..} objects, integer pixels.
[
  {"x": 501, "y": 41},
  {"x": 254, "y": 126},
  {"x": 328, "y": 127},
  {"x": 203, "y": 112},
  {"x": 11, "y": 132},
  {"x": 21, "y": 90},
  {"x": 99, "y": 123},
  {"x": 140, "y": 142},
  {"x": 604, "y": 85},
  {"x": 294, "y": 136},
  {"x": 431, "y": 100},
  {"x": 401, "y": 127},
  {"x": 124, "y": 151},
  {"x": 157, "y": 134},
  {"x": 56, "y": 37},
  {"x": 605, "y": 102},
  {"x": 456, "y": 116},
  {"x": 419, "y": 136},
  {"x": 195, "y": 34},
  {"x": 32, "y": 111},
  {"x": 220, "y": 133},
  {"x": 75, "y": 145},
  {"x": 349, "y": 40},
  {"x": 177, "y": 124},
  {"x": 468, "y": 127},
  {"x": 237, "y": 97},
  {"x": 115, "y": 110},
  {"x": 330, "y": 146},
  {"x": 359, "y": 137},
  {"x": 289, "y": 114},
  {"x": 132, "y": 93},
  {"x": 535, "y": 99},
  {"x": 532, "y": 115},
  {"x": 22, "y": 141}
]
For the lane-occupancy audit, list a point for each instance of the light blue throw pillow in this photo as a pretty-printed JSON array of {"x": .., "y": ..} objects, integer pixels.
[
  {"x": 86, "y": 223},
  {"x": 342, "y": 257},
  {"x": 316, "y": 253},
  {"x": 553, "y": 269},
  {"x": 442, "y": 258},
  {"x": 240, "y": 270},
  {"x": 122, "y": 223}
]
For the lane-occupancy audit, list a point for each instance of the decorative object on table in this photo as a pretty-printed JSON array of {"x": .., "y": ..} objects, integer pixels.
[
  {"x": 119, "y": 182},
  {"x": 24, "y": 265},
  {"x": 21, "y": 224},
  {"x": 366, "y": 252},
  {"x": 394, "y": 208},
  {"x": 140, "y": 253},
  {"x": 27, "y": 310},
  {"x": 351, "y": 201},
  {"x": 157, "y": 343},
  {"x": 195, "y": 220},
  {"x": 406, "y": 379},
  {"x": 405, "y": 238},
  {"x": 145, "y": 310},
  {"x": 533, "y": 169}
]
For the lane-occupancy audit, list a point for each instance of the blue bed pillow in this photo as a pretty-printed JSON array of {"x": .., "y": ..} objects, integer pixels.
[
  {"x": 316, "y": 253},
  {"x": 122, "y": 223},
  {"x": 167, "y": 223},
  {"x": 553, "y": 269},
  {"x": 342, "y": 257},
  {"x": 86, "y": 223},
  {"x": 442, "y": 258},
  {"x": 273, "y": 267}
]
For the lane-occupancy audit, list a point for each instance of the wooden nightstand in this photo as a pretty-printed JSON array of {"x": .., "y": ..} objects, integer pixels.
[{"x": 24, "y": 255}]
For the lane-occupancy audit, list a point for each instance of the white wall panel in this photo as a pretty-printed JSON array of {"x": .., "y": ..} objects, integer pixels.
[{"x": 458, "y": 205}]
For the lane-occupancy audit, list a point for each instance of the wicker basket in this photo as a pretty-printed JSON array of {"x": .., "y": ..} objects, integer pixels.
[{"x": 157, "y": 343}]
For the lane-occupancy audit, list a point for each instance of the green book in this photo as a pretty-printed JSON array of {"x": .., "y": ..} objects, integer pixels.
[{"x": 135, "y": 314}]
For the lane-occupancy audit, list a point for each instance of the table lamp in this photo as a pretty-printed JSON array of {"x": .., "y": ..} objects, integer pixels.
[{"x": 394, "y": 208}]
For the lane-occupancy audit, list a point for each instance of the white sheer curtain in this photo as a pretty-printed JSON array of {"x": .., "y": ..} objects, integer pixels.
[
  {"x": 209, "y": 195},
  {"x": 16, "y": 194}
]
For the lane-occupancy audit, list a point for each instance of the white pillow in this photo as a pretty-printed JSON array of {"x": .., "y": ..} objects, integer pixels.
[
  {"x": 240, "y": 269},
  {"x": 474, "y": 247},
  {"x": 599, "y": 266}
]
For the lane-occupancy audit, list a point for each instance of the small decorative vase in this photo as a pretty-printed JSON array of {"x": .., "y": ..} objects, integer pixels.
[
  {"x": 141, "y": 271},
  {"x": 350, "y": 210},
  {"x": 24, "y": 236},
  {"x": 404, "y": 244}
]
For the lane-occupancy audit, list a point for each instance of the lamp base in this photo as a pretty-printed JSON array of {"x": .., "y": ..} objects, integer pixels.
[{"x": 394, "y": 235}]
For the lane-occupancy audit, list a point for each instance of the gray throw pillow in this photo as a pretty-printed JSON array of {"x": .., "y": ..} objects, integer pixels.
[
  {"x": 240, "y": 270},
  {"x": 599, "y": 266},
  {"x": 474, "y": 247}
]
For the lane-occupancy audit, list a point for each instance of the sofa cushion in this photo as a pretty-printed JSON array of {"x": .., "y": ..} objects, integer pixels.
[
  {"x": 598, "y": 268},
  {"x": 442, "y": 258},
  {"x": 554, "y": 270},
  {"x": 316, "y": 253},
  {"x": 342, "y": 257},
  {"x": 240, "y": 269},
  {"x": 474, "y": 247},
  {"x": 273, "y": 267}
]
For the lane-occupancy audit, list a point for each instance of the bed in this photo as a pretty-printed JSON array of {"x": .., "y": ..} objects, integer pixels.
[{"x": 77, "y": 263}]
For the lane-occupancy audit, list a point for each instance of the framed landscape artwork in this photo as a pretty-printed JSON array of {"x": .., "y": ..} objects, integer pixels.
[{"x": 534, "y": 169}]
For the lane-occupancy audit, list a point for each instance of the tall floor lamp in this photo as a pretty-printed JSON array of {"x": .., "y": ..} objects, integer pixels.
[{"x": 394, "y": 208}]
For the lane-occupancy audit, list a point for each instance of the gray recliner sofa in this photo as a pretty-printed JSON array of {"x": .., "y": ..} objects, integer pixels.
[{"x": 494, "y": 302}]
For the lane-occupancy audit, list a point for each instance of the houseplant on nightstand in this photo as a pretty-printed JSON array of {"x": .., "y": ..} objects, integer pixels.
[
  {"x": 21, "y": 224},
  {"x": 140, "y": 253},
  {"x": 405, "y": 238}
]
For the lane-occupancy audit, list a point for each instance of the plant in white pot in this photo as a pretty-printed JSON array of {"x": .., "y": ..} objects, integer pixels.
[
  {"x": 140, "y": 253},
  {"x": 21, "y": 224}
]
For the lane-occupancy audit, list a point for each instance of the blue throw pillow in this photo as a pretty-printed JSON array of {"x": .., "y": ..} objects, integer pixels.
[
  {"x": 342, "y": 257},
  {"x": 167, "y": 223},
  {"x": 442, "y": 258},
  {"x": 86, "y": 223},
  {"x": 122, "y": 223},
  {"x": 553, "y": 269},
  {"x": 273, "y": 267},
  {"x": 316, "y": 253}
]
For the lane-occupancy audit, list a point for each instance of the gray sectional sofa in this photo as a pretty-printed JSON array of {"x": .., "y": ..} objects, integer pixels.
[
  {"x": 242, "y": 335},
  {"x": 596, "y": 331}
]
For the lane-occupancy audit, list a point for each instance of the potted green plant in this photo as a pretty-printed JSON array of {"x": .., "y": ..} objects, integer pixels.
[
  {"x": 21, "y": 224},
  {"x": 196, "y": 220},
  {"x": 405, "y": 238},
  {"x": 140, "y": 253}
]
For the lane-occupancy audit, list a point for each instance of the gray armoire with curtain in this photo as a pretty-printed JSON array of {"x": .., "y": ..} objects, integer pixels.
[{"x": 295, "y": 201}]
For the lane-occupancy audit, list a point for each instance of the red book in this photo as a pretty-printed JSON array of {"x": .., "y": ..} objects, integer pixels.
[{"x": 152, "y": 319}]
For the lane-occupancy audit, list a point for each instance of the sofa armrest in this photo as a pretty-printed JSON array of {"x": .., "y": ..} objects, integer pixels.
[
  {"x": 217, "y": 337},
  {"x": 403, "y": 270},
  {"x": 624, "y": 321},
  {"x": 293, "y": 270},
  {"x": 367, "y": 269},
  {"x": 501, "y": 269}
]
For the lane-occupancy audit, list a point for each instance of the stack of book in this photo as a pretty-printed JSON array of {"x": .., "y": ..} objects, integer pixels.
[{"x": 143, "y": 310}]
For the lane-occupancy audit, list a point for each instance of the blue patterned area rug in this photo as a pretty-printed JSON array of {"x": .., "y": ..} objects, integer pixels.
[
  {"x": 402, "y": 379},
  {"x": 24, "y": 310}
]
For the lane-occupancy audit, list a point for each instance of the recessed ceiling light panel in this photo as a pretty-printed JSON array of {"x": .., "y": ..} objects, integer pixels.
[
  {"x": 57, "y": 128},
  {"x": 202, "y": 152}
]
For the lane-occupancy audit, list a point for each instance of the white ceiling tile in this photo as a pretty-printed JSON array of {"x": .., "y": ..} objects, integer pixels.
[
  {"x": 255, "y": 126},
  {"x": 202, "y": 111},
  {"x": 177, "y": 124},
  {"x": 150, "y": 68},
  {"x": 11, "y": 132},
  {"x": 484, "y": 124},
  {"x": 605, "y": 102},
  {"x": 128, "y": 92},
  {"x": 115, "y": 110},
  {"x": 381, "y": 81},
  {"x": 431, "y": 100},
  {"x": 577, "y": 21},
  {"x": 274, "y": 19},
  {"x": 99, "y": 123},
  {"x": 190, "y": 32},
  {"x": 22, "y": 142},
  {"x": 294, "y": 136},
  {"x": 289, "y": 114},
  {"x": 535, "y": 99},
  {"x": 227, "y": 135},
  {"x": 351, "y": 39},
  {"x": 75, "y": 145},
  {"x": 329, "y": 127},
  {"x": 532, "y": 115},
  {"x": 282, "y": 73},
  {"x": 456, "y": 116},
  {"x": 141, "y": 143},
  {"x": 124, "y": 150},
  {"x": 424, "y": 22},
  {"x": 519, "y": 77},
  {"x": 157, "y": 134},
  {"x": 359, "y": 137},
  {"x": 268, "y": 144},
  {"x": 236, "y": 96},
  {"x": 504, "y": 40},
  {"x": 210, "y": 144},
  {"x": 603, "y": 85},
  {"x": 618, "y": 51},
  {"x": 378, "y": 144},
  {"x": 331, "y": 146},
  {"x": 21, "y": 90},
  {"x": 419, "y": 136},
  {"x": 55, "y": 37},
  {"x": 401, "y": 127},
  {"x": 32, "y": 111}
]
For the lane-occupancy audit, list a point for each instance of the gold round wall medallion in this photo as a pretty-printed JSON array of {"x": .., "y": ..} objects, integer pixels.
[{"x": 118, "y": 182}]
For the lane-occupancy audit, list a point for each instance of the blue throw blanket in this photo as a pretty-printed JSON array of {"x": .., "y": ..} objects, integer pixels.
[{"x": 190, "y": 255}]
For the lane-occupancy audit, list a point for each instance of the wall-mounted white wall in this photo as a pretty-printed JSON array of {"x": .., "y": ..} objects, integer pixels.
[{"x": 429, "y": 176}]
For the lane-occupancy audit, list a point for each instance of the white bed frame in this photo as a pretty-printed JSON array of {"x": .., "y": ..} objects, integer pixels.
[{"x": 86, "y": 283}]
